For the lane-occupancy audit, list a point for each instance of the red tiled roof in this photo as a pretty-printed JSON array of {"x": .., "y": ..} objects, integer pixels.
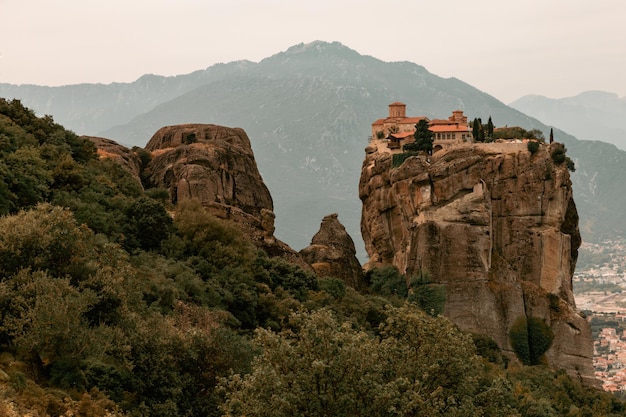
[
  {"x": 414, "y": 119},
  {"x": 448, "y": 128},
  {"x": 400, "y": 120},
  {"x": 401, "y": 135},
  {"x": 397, "y": 103}
]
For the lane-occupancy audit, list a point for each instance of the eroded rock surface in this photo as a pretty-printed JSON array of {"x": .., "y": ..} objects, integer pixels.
[
  {"x": 213, "y": 164},
  {"x": 216, "y": 165},
  {"x": 496, "y": 225},
  {"x": 332, "y": 253}
]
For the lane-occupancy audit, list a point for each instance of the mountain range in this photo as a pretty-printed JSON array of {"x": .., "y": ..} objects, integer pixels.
[
  {"x": 308, "y": 112},
  {"x": 591, "y": 115}
]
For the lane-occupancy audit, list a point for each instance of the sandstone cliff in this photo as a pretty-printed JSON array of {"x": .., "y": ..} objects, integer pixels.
[
  {"x": 332, "y": 253},
  {"x": 496, "y": 225}
]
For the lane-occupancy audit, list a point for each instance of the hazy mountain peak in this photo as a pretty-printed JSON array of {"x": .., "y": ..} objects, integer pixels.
[
  {"x": 315, "y": 50},
  {"x": 590, "y": 115},
  {"x": 317, "y": 47},
  {"x": 597, "y": 94}
]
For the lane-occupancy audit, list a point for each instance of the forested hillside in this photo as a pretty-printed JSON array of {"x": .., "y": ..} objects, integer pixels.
[{"x": 115, "y": 303}]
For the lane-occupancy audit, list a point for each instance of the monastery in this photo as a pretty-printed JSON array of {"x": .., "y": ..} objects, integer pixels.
[{"x": 396, "y": 130}]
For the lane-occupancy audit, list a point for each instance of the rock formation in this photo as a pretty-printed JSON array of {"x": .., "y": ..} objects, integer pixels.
[
  {"x": 496, "y": 226},
  {"x": 213, "y": 164},
  {"x": 107, "y": 148},
  {"x": 332, "y": 253}
]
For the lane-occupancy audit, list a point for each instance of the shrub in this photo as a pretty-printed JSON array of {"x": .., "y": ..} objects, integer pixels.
[
  {"x": 399, "y": 158},
  {"x": 428, "y": 296},
  {"x": 487, "y": 348},
  {"x": 554, "y": 302},
  {"x": 277, "y": 272},
  {"x": 533, "y": 146},
  {"x": 148, "y": 224},
  {"x": 558, "y": 155},
  {"x": 530, "y": 339},
  {"x": 333, "y": 286},
  {"x": 387, "y": 281}
]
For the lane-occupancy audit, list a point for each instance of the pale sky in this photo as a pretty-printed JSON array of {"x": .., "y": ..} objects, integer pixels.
[{"x": 555, "y": 48}]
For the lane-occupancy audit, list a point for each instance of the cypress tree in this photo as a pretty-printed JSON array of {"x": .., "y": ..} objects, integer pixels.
[
  {"x": 476, "y": 130},
  {"x": 490, "y": 130},
  {"x": 551, "y": 136}
]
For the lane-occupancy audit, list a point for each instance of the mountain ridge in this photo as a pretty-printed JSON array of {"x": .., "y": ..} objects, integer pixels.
[
  {"x": 308, "y": 111},
  {"x": 590, "y": 115}
]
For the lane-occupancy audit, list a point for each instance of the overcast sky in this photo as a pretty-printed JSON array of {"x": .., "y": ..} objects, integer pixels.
[{"x": 556, "y": 48}]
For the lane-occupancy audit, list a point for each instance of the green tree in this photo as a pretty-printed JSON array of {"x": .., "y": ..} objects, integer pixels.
[
  {"x": 46, "y": 238},
  {"x": 30, "y": 177},
  {"x": 430, "y": 297},
  {"x": 489, "y": 136},
  {"x": 45, "y": 319},
  {"x": 320, "y": 367},
  {"x": 533, "y": 146},
  {"x": 148, "y": 224},
  {"x": 276, "y": 272},
  {"x": 423, "y": 138},
  {"x": 559, "y": 156},
  {"x": 387, "y": 280},
  {"x": 478, "y": 130},
  {"x": 530, "y": 338}
]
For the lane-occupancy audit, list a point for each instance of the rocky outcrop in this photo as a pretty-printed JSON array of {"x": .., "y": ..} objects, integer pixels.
[
  {"x": 110, "y": 149},
  {"x": 493, "y": 223},
  {"x": 213, "y": 164},
  {"x": 332, "y": 253}
]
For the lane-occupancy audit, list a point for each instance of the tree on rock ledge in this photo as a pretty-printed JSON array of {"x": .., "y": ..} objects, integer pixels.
[{"x": 423, "y": 138}]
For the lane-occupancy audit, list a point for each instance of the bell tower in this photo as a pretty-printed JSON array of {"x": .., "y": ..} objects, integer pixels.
[{"x": 397, "y": 110}]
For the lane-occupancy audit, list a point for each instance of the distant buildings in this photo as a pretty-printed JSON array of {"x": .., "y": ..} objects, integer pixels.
[{"x": 609, "y": 359}]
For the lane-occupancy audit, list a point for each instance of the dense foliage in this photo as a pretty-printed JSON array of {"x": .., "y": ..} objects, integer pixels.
[
  {"x": 533, "y": 146},
  {"x": 399, "y": 158},
  {"x": 112, "y": 303},
  {"x": 530, "y": 337},
  {"x": 559, "y": 157}
]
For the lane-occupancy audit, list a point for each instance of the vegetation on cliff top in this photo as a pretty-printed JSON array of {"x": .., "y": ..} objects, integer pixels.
[{"x": 110, "y": 306}]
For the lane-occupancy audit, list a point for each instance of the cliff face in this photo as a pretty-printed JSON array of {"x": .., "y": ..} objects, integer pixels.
[{"x": 493, "y": 223}]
